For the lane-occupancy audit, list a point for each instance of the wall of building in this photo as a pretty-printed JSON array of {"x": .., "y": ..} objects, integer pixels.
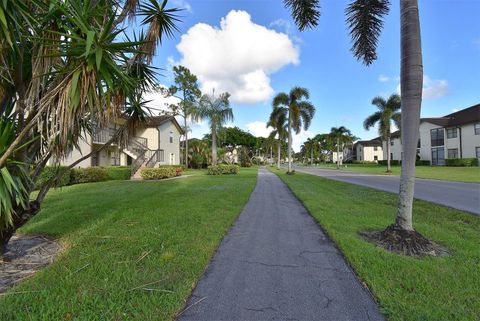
[
  {"x": 84, "y": 149},
  {"x": 151, "y": 134},
  {"x": 469, "y": 141},
  {"x": 368, "y": 153},
  {"x": 171, "y": 150},
  {"x": 395, "y": 149}
]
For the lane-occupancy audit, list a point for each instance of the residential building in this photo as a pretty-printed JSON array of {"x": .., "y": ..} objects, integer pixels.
[
  {"x": 155, "y": 143},
  {"x": 368, "y": 150},
  {"x": 456, "y": 135}
]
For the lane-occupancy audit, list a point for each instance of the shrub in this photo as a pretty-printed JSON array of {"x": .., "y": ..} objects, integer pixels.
[
  {"x": 393, "y": 162},
  {"x": 223, "y": 169},
  {"x": 118, "y": 173},
  {"x": 160, "y": 172},
  {"x": 461, "y": 162},
  {"x": 422, "y": 163},
  {"x": 51, "y": 171},
  {"x": 88, "y": 175},
  {"x": 363, "y": 162}
]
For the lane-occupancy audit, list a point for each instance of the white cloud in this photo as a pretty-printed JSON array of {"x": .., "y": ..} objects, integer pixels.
[
  {"x": 237, "y": 57},
  {"x": 299, "y": 139},
  {"x": 383, "y": 78},
  {"x": 158, "y": 102},
  {"x": 454, "y": 110},
  {"x": 259, "y": 129},
  {"x": 432, "y": 88},
  {"x": 182, "y": 4}
]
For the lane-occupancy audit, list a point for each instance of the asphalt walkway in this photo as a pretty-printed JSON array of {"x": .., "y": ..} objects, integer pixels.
[
  {"x": 462, "y": 196},
  {"x": 277, "y": 264}
]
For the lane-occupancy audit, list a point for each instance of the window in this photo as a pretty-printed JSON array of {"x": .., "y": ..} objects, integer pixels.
[
  {"x": 453, "y": 153},
  {"x": 391, "y": 155},
  {"x": 436, "y": 136},
  {"x": 477, "y": 151},
  {"x": 451, "y": 133},
  {"x": 418, "y": 145},
  {"x": 375, "y": 158},
  {"x": 171, "y": 137},
  {"x": 477, "y": 128},
  {"x": 375, "y": 148},
  {"x": 438, "y": 156},
  {"x": 391, "y": 143}
]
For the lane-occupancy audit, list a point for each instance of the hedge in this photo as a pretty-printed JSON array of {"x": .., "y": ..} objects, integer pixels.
[
  {"x": 422, "y": 163},
  {"x": 460, "y": 162},
  {"x": 51, "y": 171},
  {"x": 161, "y": 172},
  {"x": 364, "y": 162},
  {"x": 118, "y": 173},
  {"x": 223, "y": 169},
  {"x": 393, "y": 162},
  {"x": 88, "y": 175}
]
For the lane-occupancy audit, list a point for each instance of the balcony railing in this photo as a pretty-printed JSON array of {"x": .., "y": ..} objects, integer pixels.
[{"x": 103, "y": 135}]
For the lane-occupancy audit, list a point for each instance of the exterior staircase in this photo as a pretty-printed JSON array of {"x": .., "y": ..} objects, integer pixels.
[{"x": 143, "y": 156}]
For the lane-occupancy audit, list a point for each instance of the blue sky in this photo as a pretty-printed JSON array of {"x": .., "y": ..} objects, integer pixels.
[{"x": 258, "y": 52}]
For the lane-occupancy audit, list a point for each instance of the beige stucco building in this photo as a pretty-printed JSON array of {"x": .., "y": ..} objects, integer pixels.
[
  {"x": 456, "y": 135},
  {"x": 155, "y": 143},
  {"x": 368, "y": 150}
]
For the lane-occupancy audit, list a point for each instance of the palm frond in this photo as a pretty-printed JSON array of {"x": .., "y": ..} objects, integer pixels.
[
  {"x": 372, "y": 120},
  {"x": 305, "y": 13},
  {"x": 365, "y": 21}
]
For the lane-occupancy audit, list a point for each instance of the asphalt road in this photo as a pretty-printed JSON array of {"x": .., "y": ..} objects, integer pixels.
[
  {"x": 276, "y": 264},
  {"x": 462, "y": 196}
]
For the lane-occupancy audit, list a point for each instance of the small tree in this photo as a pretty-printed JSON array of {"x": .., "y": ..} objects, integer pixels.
[
  {"x": 341, "y": 136},
  {"x": 187, "y": 87},
  {"x": 278, "y": 121},
  {"x": 218, "y": 112},
  {"x": 388, "y": 112}
]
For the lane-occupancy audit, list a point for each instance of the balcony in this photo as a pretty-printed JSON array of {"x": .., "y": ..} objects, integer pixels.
[{"x": 101, "y": 136}]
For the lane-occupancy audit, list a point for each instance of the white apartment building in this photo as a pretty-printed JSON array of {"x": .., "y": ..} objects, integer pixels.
[
  {"x": 456, "y": 135},
  {"x": 368, "y": 150}
]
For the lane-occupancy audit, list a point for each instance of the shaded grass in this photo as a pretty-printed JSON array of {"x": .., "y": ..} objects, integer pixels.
[
  {"x": 458, "y": 174},
  {"x": 122, "y": 235},
  {"x": 429, "y": 288}
]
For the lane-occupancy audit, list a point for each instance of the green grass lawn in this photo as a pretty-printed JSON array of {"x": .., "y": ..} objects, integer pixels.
[
  {"x": 459, "y": 174},
  {"x": 133, "y": 250},
  {"x": 442, "y": 288}
]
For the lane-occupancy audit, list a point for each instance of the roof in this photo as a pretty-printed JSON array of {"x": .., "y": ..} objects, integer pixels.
[
  {"x": 461, "y": 117},
  {"x": 370, "y": 143},
  {"x": 156, "y": 121}
]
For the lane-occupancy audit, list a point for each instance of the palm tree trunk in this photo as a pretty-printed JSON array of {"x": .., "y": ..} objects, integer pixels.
[
  {"x": 289, "y": 142},
  {"x": 271, "y": 155},
  {"x": 214, "y": 146},
  {"x": 389, "y": 169},
  {"x": 279, "y": 153},
  {"x": 411, "y": 79},
  {"x": 311, "y": 156},
  {"x": 338, "y": 153},
  {"x": 186, "y": 141}
]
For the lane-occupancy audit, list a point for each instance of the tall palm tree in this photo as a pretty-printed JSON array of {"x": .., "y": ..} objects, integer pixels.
[
  {"x": 340, "y": 135},
  {"x": 365, "y": 21},
  {"x": 218, "y": 112},
  {"x": 309, "y": 147},
  {"x": 297, "y": 110},
  {"x": 388, "y": 112},
  {"x": 280, "y": 130}
]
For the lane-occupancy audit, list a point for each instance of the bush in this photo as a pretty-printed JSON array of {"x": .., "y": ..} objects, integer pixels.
[
  {"x": 118, "y": 173},
  {"x": 393, "y": 162},
  {"x": 223, "y": 169},
  {"x": 422, "y": 163},
  {"x": 51, "y": 171},
  {"x": 363, "y": 162},
  {"x": 88, "y": 175},
  {"x": 461, "y": 162},
  {"x": 160, "y": 172}
]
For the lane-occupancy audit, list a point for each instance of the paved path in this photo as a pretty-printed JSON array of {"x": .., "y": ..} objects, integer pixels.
[
  {"x": 276, "y": 264},
  {"x": 462, "y": 196}
]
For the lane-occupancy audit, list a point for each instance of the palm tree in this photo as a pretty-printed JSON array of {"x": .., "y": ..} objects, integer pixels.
[
  {"x": 388, "y": 111},
  {"x": 279, "y": 123},
  {"x": 217, "y": 110},
  {"x": 297, "y": 111},
  {"x": 309, "y": 147},
  {"x": 340, "y": 135},
  {"x": 365, "y": 21}
]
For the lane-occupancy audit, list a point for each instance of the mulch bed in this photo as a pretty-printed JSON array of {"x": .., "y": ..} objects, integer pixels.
[
  {"x": 410, "y": 243},
  {"x": 26, "y": 254}
]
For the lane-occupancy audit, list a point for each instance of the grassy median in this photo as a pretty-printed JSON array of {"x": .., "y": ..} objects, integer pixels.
[
  {"x": 133, "y": 250},
  {"x": 407, "y": 288},
  {"x": 457, "y": 174}
]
